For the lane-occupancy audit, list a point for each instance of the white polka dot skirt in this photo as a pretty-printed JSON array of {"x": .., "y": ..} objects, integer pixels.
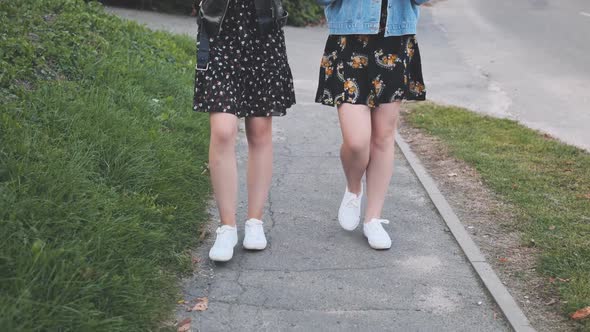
[{"x": 248, "y": 73}]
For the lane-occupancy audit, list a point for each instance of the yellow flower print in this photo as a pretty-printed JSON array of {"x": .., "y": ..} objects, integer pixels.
[
  {"x": 387, "y": 61},
  {"x": 342, "y": 42},
  {"x": 371, "y": 101},
  {"x": 390, "y": 59},
  {"x": 327, "y": 64},
  {"x": 410, "y": 48},
  {"x": 350, "y": 86},
  {"x": 358, "y": 61},
  {"x": 351, "y": 89},
  {"x": 364, "y": 39},
  {"x": 417, "y": 88},
  {"x": 326, "y": 61},
  {"x": 378, "y": 85}
]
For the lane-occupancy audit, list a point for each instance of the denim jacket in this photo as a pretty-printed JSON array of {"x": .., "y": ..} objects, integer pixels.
[{"x": 352, "y": 17}]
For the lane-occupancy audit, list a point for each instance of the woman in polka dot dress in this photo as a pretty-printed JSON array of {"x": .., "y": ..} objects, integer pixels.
[{"x": 247, "y": 76}]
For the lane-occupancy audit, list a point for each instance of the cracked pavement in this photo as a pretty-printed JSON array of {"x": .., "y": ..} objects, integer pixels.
[{"x": 314, "y": 276}]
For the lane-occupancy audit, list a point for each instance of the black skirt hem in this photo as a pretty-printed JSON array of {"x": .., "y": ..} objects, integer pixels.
[{"x": 280, "y": 112}]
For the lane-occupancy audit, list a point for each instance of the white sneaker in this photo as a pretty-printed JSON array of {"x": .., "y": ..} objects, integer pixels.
[
  {"x": 378, "y": 237},
  {"x": 223, "y": 249},
  {"x": 349, "y": 214},
  {"x": 254, "y": 238}
]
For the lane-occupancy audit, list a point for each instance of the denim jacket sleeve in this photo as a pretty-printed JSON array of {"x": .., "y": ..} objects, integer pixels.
[{"x": 420, "y": 2}]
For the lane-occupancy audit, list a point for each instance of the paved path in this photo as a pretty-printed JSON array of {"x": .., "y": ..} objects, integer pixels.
[
  {"x": 526, "y": 60},
  {"x": 315, "y": 276}
]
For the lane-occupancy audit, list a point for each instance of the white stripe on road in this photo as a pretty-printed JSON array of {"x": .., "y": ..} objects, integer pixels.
[{"x": 585, "y": 14}]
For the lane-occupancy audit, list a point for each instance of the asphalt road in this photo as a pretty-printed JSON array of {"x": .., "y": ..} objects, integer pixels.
[{"x": 525, "y": 60}]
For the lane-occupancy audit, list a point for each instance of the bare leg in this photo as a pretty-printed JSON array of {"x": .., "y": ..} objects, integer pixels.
[
  {"x": 223, "y": 164},
  {"x": 355, "y": 122},
  {"x": 380, "y": 170},
  {"x": 259, "y": 133}
]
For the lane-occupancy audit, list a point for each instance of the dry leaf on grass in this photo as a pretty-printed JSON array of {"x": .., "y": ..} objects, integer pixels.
[
  {"x": 202, "y": 304},
  {"x": 184, "y": 326},
  {"x": 205, "y": 169},
  {"x": 503, "y": 259},
  {"x": 581, "y": 314},
  {"x": 452, "y": 175},
  {"x": 203, "y": 235},
  {"x": 554, "y": 279},
  {"x": 551, "y": 302}
]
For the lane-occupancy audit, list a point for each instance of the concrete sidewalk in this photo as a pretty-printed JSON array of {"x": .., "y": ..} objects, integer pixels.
[{"x": 314, "y": 275}]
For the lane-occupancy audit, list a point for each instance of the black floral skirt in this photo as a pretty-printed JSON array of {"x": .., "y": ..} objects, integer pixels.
[
  {"x": 370, "y": 70},
  {"x": 248, "y": 74}
]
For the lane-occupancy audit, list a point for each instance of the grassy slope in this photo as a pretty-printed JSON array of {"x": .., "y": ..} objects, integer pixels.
[
  {"x": 101, "y": 185},
  {"x": 547, "y": 180},
  {"x": 301, "y": 12}
]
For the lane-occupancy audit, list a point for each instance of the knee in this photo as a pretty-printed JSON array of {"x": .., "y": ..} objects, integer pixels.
[
  {"x": 260, "y": 137},
  {"x": 383, "y": 141},
  {"x": 357, "y": 146},
  {"x": 224, "y": 135}
]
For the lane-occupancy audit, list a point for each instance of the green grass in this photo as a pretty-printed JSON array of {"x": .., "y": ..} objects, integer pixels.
[
  {"x": 301, "y": 12},
  {"x": 102, "y": 188},
  {"x": 548, "y": 182}
]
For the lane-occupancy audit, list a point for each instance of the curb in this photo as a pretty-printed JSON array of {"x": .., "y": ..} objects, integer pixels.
[{"x": 516, "y": 318}]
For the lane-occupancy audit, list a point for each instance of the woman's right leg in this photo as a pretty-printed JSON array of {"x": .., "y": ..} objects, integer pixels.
[
  {"x": 355, "y": 123},
  {"x": 223, "y": 165}
]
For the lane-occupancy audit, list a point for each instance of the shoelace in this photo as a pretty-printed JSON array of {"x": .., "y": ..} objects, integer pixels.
[
  {"x": 383, "y": 221},
  {"x": 353, "y": 202},
  {"x": 221, "y": 230},
  {"x": 254, "y": 227}
]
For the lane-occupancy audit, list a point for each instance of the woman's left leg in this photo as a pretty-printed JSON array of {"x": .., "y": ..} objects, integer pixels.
[
  {"x": 384, "y": 122},
  {"x": 259, "y": 134}
]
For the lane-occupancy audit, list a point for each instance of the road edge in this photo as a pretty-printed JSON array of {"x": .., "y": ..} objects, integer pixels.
[{"x": 515, "y": 316}]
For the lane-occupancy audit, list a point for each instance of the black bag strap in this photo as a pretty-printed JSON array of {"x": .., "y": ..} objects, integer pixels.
[{"x": 203, "y": 51}]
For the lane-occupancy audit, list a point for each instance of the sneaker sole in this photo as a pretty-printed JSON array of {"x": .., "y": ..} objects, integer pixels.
[
  {"x": 349, "y": 229},
  {"x": 379, "y": 248},
  {"x": 254, "y": 247},
  {"x": 221, "y": 259}
]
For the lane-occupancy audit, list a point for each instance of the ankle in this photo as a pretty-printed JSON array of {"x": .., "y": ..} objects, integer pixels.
[
  {"x": 255, "y": 217},
  {"x": 228, "y": 223},
  {"x": 355, "y": 189},
  {"x": 369, "y": 219}
]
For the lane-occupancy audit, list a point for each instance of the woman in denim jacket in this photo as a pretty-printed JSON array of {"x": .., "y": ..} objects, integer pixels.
[{"x": 370, "y": 64}]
